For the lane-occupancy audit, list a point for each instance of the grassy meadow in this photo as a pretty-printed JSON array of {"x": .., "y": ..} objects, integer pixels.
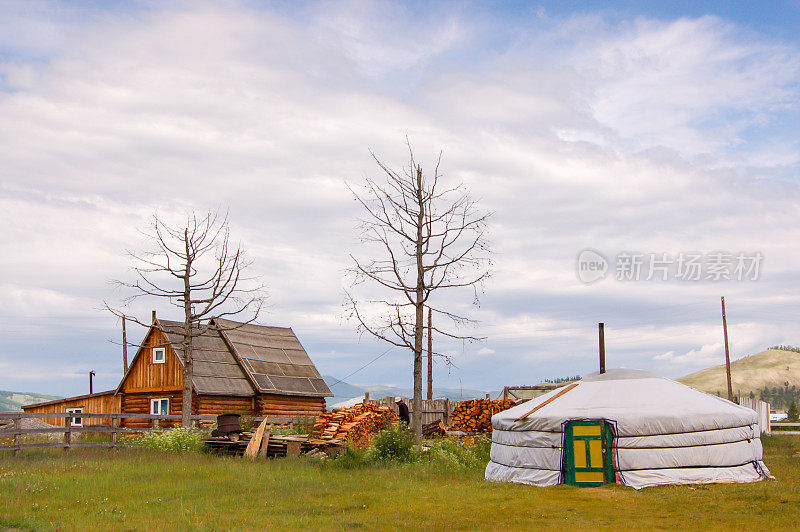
[{"x": 143, "y": 489}]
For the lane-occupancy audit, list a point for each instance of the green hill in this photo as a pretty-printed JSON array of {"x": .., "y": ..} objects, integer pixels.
[
  {"x": 772, "y": 375},
  {"x": 14, "y": 400}
]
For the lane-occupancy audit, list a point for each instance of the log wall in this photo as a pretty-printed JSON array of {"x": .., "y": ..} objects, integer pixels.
[
  {"x": 139, "y": 403},
  {"x": 270, "y": 405},
  {"x": 224, "y": 404}
]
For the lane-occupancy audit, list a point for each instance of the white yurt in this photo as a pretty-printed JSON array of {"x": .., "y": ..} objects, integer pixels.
[{"x": 626, "y": 426}]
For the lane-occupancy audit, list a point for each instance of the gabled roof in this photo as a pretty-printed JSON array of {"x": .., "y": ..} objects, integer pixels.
[
  {"x": 274, "y": 359},
  {"x": 216, "y": 370},
  {"x": 231, "y": 358}
]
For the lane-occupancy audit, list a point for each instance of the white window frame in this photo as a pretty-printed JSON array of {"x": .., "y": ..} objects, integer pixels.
[
  {"x": 163, "y": 358},
  {"x": 75, "y": 421},
  {"x": 158, "y": 402}
]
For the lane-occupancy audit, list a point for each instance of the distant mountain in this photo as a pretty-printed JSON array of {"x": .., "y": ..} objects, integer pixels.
[
  {"x": 15, "y": 400},
  {"x": 343, "y": 391},
  {"x": 772, "y": 375}
]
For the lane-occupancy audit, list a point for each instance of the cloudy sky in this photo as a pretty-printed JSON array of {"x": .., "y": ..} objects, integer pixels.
[{"x": 608, "y": 126}]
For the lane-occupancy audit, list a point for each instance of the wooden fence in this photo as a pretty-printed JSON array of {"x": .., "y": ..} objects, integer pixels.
[
  {"x": 432, "y": 410},
  {"x": 762, "y": 408},
  {"x": 114, "y": 429},
  {"x": 781, "y": 424}
]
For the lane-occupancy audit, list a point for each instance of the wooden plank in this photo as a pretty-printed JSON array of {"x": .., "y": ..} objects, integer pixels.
[
  {"x": 255, "y": 442},
  {"x": 52, "y": 445},
  {"x": 556, "y": 396},
  {"x": 91, "y": 444},
  {"x": 265, "y": 441}
]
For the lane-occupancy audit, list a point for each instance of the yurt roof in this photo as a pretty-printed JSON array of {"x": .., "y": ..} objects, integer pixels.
[{"x": 637, "y": 402}]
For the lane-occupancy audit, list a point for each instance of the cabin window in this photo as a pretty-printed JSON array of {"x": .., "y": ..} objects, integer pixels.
[
  {"x": 75, "y": 421},
  {"x": 159, "y": 355},
  {"x": 159, "y": 407}
]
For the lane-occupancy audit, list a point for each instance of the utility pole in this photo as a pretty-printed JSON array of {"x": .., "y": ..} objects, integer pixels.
[
  {"x": 430, "y": 354},
  {"x": 602, "y": 342},
  {"x": 91, "y": 388},
  {"x": 124, "y": 348},
  {"x": 727, "y": 352}
]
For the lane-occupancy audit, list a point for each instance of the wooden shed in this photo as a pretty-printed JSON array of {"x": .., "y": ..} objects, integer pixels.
[
  {"x": 98, "y": 403},
  {"x": 238, "y": 368}
]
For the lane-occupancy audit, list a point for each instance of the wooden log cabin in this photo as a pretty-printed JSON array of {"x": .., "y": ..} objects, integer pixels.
[{"x": 238, "y": 368}]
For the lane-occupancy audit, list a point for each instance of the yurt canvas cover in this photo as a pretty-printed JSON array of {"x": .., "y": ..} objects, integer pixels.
[{"x": 660, "y": 432}]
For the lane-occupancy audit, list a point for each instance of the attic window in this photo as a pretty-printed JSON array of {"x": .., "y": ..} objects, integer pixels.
[{"x": 159, "y": 355}]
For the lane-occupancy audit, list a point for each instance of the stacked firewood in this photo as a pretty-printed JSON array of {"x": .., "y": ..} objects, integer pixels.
[
  {"x": 434, "y": 428},
  {"x": 475, "y": 415},
  {"x": 355, "y": 424}
]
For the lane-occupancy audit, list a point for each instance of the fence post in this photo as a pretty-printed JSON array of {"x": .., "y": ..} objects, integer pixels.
[
  {"x": 17, "y": 428},
  {"x": 67, "y": 433},
  {"x": 447, "y": 411},
  {"x": 114, "y": 430}
]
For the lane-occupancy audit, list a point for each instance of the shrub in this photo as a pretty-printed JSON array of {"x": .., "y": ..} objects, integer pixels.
[
  {"x": 455, "y": 455},
  {"x": 177, "y": 440},
  {"x": 393, "y": 444},
  {"x": 351, "y": 459}
]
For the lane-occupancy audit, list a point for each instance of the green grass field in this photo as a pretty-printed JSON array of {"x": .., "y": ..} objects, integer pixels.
[{"x": 136, "y": 489}]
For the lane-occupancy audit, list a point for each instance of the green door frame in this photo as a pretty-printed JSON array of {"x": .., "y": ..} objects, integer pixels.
[{"x": 606, "y": 436}]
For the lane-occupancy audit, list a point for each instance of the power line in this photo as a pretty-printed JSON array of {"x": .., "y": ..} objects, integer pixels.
[{"x": 362, "y": 367}]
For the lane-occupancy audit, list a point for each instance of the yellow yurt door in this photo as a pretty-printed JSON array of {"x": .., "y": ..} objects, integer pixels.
[{"x": 587, "y": 453}]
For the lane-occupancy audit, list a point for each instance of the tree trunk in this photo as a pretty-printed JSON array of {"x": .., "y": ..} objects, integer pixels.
[
  {"x": 430, "y": 354},
  {"x": 416, "y": 420},
  {"x": 188, "y": 372}
]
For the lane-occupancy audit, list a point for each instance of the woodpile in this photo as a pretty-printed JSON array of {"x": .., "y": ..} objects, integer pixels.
[
  {"x": 356, "y": 424},
  {"x": 475, "y": 415},
  {"x": 277, "y": 446},
  {"x": 434, "y": 428}
]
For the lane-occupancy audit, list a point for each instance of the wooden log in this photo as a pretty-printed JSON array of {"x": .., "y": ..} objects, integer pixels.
[{"x": 556, "y": 396}]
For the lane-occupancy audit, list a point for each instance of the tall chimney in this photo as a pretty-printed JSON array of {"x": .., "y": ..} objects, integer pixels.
[
  {"x": 602, "y": 340},
  {"x": 154, "y": 316}
]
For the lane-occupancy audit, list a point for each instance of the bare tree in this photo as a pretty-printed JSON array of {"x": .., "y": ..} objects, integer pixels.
[
  {"x": 429, "y": 239},
  {"x": 195, "y": 267}
]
